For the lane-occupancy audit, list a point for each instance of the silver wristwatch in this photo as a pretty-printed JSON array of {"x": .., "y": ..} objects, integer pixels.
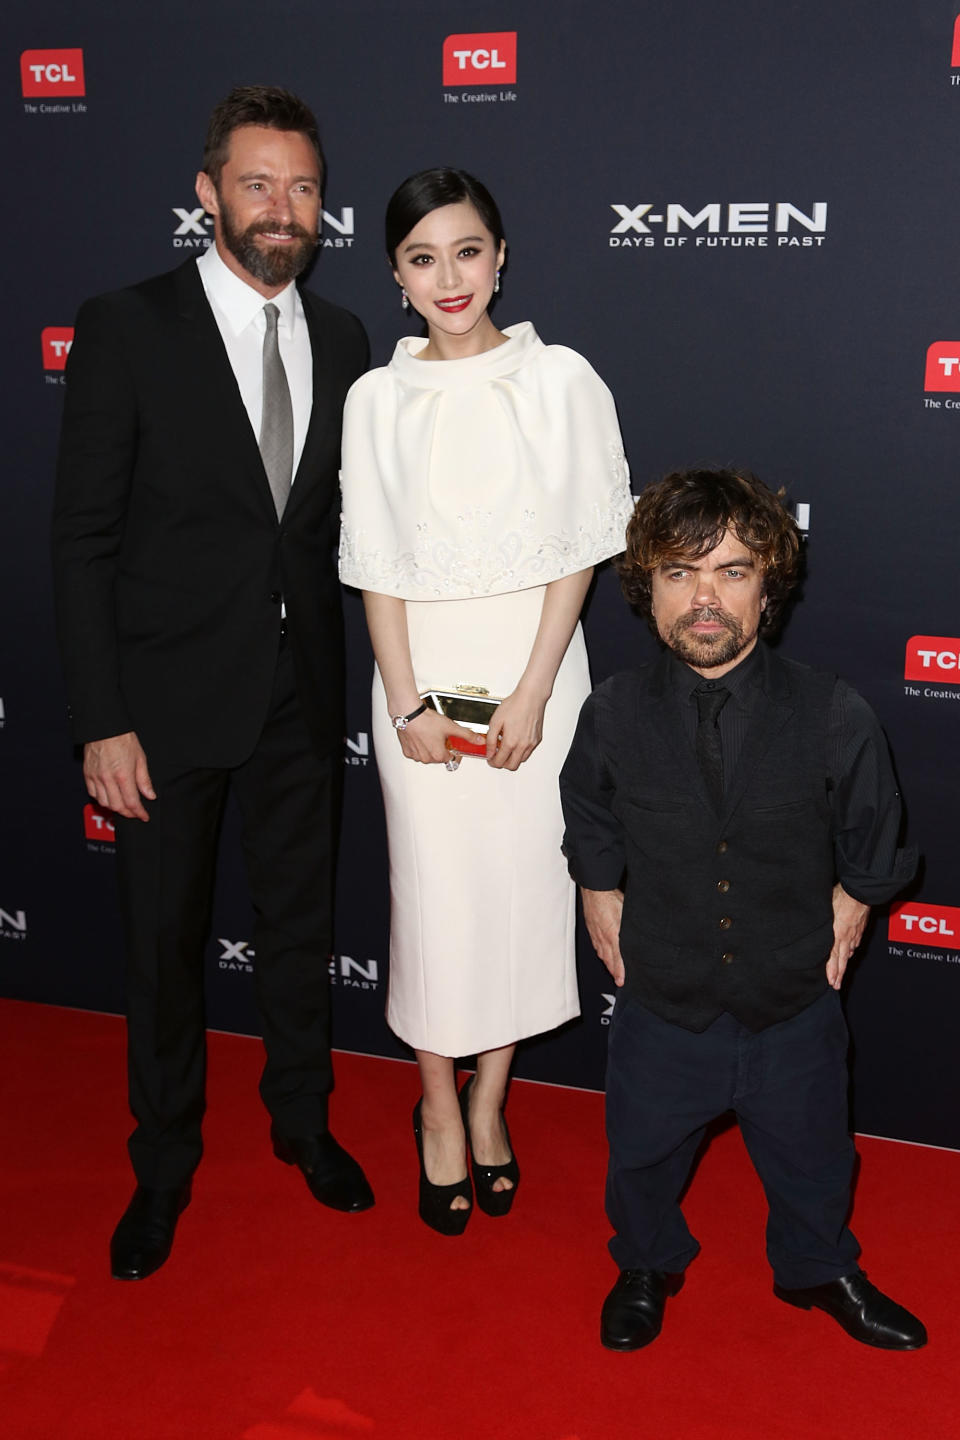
[{"x": 400, "y": 722}]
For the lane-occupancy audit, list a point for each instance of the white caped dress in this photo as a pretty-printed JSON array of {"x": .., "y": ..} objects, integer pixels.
[{"x": 468, "y": 485}]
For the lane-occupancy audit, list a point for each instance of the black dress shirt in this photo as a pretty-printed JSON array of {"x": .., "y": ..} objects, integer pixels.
[{"x": 857, "y": 768}]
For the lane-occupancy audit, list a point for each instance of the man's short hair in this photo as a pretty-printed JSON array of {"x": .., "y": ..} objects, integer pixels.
[
  {"x": 266, "y": 105},
  {"x": 686, "y": 515}
]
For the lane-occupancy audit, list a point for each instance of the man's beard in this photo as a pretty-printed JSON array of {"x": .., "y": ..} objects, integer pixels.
[
  {"x": 705, "y": 651},
  {"x": 275, "y": 264}
]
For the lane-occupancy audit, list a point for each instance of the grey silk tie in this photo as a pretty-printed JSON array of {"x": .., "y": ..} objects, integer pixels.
[
  {"x": 711, "y": 699},
  {"x": 276, "y": 421}
]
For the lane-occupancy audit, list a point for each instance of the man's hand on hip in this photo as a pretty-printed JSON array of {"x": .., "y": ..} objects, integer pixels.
[
  {"x": 116, "y": 774},
  {"x": 602, "y": 911},
  {"x": 849, "y": 922}
]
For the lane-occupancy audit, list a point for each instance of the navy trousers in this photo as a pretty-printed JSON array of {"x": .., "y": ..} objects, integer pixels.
[{"x": 787, "y": 1086}]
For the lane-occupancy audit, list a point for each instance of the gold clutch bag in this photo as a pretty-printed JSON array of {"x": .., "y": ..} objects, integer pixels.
[{"x": 471, "y": 706}]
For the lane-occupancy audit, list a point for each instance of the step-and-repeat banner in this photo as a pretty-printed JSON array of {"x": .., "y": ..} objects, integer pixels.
[{"x": 744, "y": 215}]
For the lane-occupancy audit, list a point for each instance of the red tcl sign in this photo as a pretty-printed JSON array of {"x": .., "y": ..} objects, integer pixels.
[
  {"x": 933, "y": 657},
  {"x": 914, "y": 920},
  {"x": 98, "y": 824},
  {"x": 55, "y": 342},
  {"x": 943, "y": 366},
  {"x": 489, "y": 59},
  {"x": 52, "y": 72}
]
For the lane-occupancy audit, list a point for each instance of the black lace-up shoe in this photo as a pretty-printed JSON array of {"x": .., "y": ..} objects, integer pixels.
[
  {"x": 333, "y": 1177},
  {"x": 633, "y": 1311},
  {"x": 864, "y": 1311},
  {"x": 144, "y": 1237}
]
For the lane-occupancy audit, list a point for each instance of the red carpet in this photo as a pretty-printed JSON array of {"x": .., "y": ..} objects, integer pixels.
[{"x": 277, "y": 1320}]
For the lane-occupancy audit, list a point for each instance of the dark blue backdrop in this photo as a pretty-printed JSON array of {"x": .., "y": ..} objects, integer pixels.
[{"x": 744, "y": 215}]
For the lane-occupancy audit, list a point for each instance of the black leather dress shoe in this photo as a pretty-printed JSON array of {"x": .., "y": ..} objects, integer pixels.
[
  {"x": 334, "y": 1177},
  {"x": 864, "y": 1311},
  {"x": 143, "y": 1239},
  {"x": 632, "y": 1313}
]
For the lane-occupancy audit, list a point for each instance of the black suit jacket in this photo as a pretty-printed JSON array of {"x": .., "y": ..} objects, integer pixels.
[{"x": 169, "y": 561}]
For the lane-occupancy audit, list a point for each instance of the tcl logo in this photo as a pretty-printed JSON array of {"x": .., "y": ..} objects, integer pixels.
[
  {"x": 98, "y": 824},
  {"x": 933, "y": 657},
  {"x": 480, "y": 59},
  {"x": 914, "y": 920},
  {"x": 943, "y": 366},
  {"x": 55, "y": 342},
  {"x": 52, "y": 72}
]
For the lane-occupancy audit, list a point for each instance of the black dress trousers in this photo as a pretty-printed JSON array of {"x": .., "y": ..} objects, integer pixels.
[
  {"x": 288, "y": 797},
  {"x": 787, "y": 1086}
]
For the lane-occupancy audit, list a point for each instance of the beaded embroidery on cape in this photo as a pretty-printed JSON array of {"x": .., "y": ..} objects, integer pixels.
[{"x": 405, "y": 534}]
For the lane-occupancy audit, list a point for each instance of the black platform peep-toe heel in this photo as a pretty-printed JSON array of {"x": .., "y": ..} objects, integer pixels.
[
  {"x": 435, "y": 1200},
  {"x": 491, "y": 1202}
]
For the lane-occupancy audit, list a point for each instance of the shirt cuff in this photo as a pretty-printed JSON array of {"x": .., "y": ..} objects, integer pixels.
[
  {"x": 595, "y": 872},
  {"x": 878, "y": 889}
]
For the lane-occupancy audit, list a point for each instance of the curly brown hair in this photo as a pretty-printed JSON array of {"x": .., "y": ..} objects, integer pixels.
[{"x": 686, "y": 514}]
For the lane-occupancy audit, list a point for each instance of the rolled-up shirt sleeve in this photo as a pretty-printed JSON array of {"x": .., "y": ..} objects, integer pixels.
[
  {"x": 866, "y": 804},
  {"x": 593, "y": 841}
]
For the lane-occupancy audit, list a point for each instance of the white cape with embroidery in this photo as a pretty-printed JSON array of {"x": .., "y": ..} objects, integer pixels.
[{"x": 464, "y": 478}]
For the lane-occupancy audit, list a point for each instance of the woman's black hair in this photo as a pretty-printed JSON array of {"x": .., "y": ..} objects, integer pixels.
[{"x": 427, "y": 191}]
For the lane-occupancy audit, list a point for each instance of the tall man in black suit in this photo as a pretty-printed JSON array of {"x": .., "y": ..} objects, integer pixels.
[
  {"x": 198, "y": 612},
  {"x": 751, "y": 806}
]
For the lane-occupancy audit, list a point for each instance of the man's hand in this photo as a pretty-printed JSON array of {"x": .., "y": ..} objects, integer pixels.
[
  {"x": 116, "y": 773},
  {"x": 602, "y": 910},
  {"x": 849, "y": 921}
]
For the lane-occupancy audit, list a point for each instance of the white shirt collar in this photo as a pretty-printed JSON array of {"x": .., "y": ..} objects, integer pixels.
[{"x": 237, "y": 301}]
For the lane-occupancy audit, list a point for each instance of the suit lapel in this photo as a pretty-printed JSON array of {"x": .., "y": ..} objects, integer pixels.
[{"x": 214, "y": 375}]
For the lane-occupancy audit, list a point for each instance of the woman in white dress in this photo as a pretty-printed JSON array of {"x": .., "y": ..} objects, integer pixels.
[{"x": 483, "y": 478}]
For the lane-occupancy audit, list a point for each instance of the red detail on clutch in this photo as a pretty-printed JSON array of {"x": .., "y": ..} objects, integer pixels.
[{"x": 467, "y": 747}]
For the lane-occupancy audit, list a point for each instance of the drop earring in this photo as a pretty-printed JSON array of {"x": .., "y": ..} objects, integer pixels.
[
  {"x": 404, "y": 299},
  {"x": 496, "y": 284}
]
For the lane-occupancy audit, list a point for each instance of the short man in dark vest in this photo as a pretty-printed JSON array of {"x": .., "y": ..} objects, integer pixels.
[{"x": 731, "y": 817}]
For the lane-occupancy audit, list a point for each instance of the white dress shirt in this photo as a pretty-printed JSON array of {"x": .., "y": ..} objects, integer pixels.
[{"x": 238, "y": 311}]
